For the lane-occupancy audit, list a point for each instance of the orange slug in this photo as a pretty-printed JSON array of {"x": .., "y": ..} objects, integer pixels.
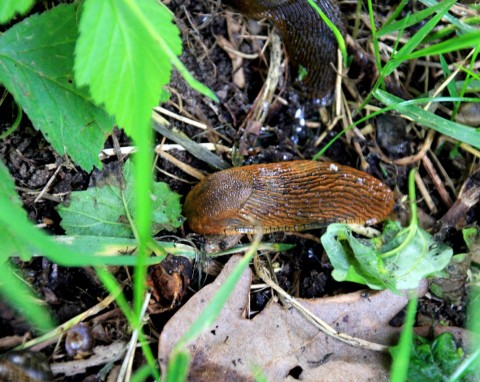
[
  {"x": 309, "y": 42},
  {"x": 287, "y": 196}
]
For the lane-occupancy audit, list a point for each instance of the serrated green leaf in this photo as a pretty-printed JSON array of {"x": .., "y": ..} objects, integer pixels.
[
  {"x": 363, "y": 261},
  {"x": 119, "y": 59},
  {"x": 36, "y": 64},
  {"x": 8, "y": 8},
  {"x": 109, "y": 208}
]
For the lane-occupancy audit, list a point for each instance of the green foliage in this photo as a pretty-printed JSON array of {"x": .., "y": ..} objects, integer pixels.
[
  {"x": 422, "y": 117},
  {"x": 398, "y": 259},
  {"x": 433, "y": 361},
  {"x": 124, "y": 53},
  {"x": 22, "y": 298},
  {"x": 461, "y": 26},
  {"x": 333, "y": 27},
  {"x": 468, "y": 40},
  {"x": 38, "y": 72},
  {"x": 117, "y": 51},
  {"x": 8, "y": 8},
  {"x": 12, "y": 286},
  {"x": 18, "y": 237},
  {"x": 402, "y": 351},
  {"x": 125, "y": 46},
  {"x": 414, "y": 41},
  {"x": 409, "y": 20},
  {"x": 108, "y": 208},
  {"x": 10, "y": 243}
]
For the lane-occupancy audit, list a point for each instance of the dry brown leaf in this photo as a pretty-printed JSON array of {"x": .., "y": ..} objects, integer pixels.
[{"x": 281, "y": 341}]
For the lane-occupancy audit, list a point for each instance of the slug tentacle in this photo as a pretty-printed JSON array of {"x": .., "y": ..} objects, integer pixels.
[
  {"x": 287, "y": 196},
  {"x": 309, "y": 42}
]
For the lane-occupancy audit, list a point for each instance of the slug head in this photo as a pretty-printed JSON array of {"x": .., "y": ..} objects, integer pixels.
[{"x": 213, "y": 204}]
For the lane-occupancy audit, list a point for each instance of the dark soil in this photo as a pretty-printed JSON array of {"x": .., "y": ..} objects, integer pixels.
[{"x": 305, "y": 271}]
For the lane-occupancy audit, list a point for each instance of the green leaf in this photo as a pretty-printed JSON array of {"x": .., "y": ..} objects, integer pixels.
[
  {"x": 432, "y": 361},
  {"x": 116, "y": 52},
  {"x": 470, "y": 236},
  {"x": 10, "y": 243},
  {"x": 366, "y": 262},
  {"x": 444, "y": 126},
  {"x": 19, "y": 295},
  {"x": 18, "y": 237},
  {"x": 8, "y": 8},
  {"x": 108, "y": 208},
  {"x": 13, "y": 289},
  {"x": 36, "y": 64}
]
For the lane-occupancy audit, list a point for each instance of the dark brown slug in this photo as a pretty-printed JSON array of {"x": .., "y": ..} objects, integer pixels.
[
  {"x": 308, "y": 40},
  {"x": 25, "y": 366},
  {"x": 288, "y": 196}
]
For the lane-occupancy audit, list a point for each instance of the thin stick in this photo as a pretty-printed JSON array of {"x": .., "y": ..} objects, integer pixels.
[{"x": 319, "y": 323}]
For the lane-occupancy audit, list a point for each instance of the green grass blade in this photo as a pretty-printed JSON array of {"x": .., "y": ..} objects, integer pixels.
[
  {"x": 467, "y": 40},
  {"x": 8, "y": 8},
  {"x": 416, "y": 39},
  {"x": 444, "y": 126},
  {"x": 178, "y": 366},
  {"x": 450, "y": 18},
  {"x": 334, "y": 29},
  {"x": 400, "y": 364},
  {"x": 411, "y": 19},
  {"x": 15, "y": 290},
  {"x": 112, "y": 286},
  {"x": 396, "y": 12},
  {"x": 208, "y": 316},
  {"x": 178, "y": 357}
]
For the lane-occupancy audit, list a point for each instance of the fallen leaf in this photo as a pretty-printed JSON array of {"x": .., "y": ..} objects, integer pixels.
[{"x": 280, "y": 341}]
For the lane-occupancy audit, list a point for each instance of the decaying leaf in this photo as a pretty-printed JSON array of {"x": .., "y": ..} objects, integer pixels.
[
  {"x": 281, "y": 342},
  {"x": 451, "y": 285},
  {"x": 169, "y": 282}
]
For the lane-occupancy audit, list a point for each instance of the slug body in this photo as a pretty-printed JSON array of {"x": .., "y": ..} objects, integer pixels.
[
  {"x": 25, "y": 366},
  {"x": 287, "y": 196},
  {"x": 308, "y": 40}
]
